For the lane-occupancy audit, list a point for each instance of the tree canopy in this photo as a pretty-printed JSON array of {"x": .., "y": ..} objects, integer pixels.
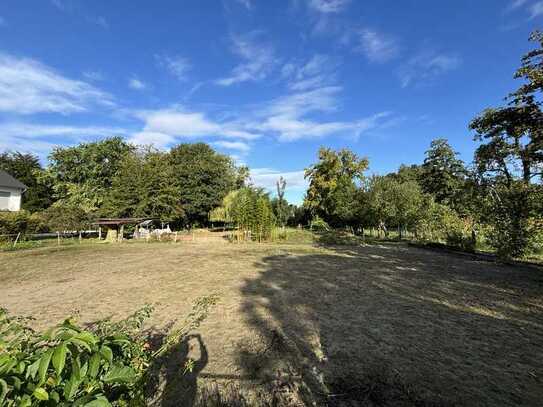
[
  {"x": 333, "y": 184},
  {"x": 204, "y": 178}
]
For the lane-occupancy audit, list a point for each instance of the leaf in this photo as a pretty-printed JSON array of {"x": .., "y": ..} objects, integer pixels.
[
  {"x": 7, "y": 365},
  {"x": 55, "y": 397},
  {"x": 25, "y": 401},
  {"x": 3, "y": 391},
  {"x": 71, "y": 387},
  {"x": 83, "y": 371},
  {"x": 94, "y": 365},
  {"x": 66, "y": 334},
  {"x": 107, "y": 353},
  {"x": 80, "y": 342},
  {"x": 41, "y": 394},
  {"x": 98, "y": 402},
  {"x": 33, "y": 369},
  {"x": 120, "y": 374},
  {"x": 87, "y": 337},
  {"x": 16, "y": 383},
  {"x": 76, "y": 368},
  {"x": 20, "y": 367},
  {"x": 44, "y": 364},
  {"x": 59, "y": 358}
]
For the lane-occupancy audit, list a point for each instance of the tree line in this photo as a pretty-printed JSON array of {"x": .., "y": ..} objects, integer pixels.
[
  {"x": 497, "y": 197},
  {"x": 112, "y": 178},
  {"x": 500, "y": 195}
]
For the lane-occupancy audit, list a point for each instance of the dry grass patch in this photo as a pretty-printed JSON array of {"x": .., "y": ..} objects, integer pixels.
[{"x": 312, "y": 322}]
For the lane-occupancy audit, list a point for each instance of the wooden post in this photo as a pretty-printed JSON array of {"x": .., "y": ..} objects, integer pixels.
[
  {"x": 58, "y": 238},
  {"x": 16, "y": 239},
  {"x": 99, "y": 232},
  {"x": 80, "y": 238},
  {"x": 121, "y": 233},
  {"x": 175, "y": 237}
]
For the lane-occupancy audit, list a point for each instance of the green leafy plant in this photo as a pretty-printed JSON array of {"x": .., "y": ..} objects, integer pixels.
[{"x": 106, "y": 364}]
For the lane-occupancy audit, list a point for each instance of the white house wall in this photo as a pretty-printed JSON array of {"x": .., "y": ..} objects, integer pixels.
[{"x": 14, "y": 202}]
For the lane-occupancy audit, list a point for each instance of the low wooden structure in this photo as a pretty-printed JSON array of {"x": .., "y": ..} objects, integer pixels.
[{"x": 115, "y": 227}]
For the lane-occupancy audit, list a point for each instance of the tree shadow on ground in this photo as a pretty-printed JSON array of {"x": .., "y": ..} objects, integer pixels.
[{"x": 388, "y": 325}]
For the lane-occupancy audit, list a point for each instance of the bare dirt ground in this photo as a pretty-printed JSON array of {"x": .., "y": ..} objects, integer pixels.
[{"x": 460, "y": 330}]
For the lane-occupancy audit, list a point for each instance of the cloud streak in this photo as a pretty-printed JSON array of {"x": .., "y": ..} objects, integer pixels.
[
  {"x": 27, "y": 87},
  {"x": 233, "y": 145},
  {"x": 38, "y": 138},
  {"x": 135, "y": 83},
  {"x": 426, "y": 66},
  {"x": 376, "y": 46},
  {"x": 328, "y": 6},
  {"x": 317, "y": 72},
  {"x": 258, "y": 60},
  {"x": 176, "y": 65}
]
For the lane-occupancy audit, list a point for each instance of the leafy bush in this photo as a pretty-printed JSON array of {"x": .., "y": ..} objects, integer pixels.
[
  {"x": 441, "y": 223},
  {"x": 319, "y": 225},
  {"x": 71, "y": 365},
  {"x": 8, "y": 246},
  {"x": 514, "y": 217},
  {"x": 252, "y": 213},
  {"x": 22, "y": 222}
]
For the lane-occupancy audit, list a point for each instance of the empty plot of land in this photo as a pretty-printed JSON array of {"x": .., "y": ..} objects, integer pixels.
[{"x": 462, "y": 330}]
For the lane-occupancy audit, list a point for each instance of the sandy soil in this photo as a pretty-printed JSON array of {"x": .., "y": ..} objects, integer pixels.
[{"x": 462, "y": 330}]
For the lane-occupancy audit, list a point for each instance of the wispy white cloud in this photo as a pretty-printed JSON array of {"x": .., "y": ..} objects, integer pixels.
[
  {"x": 184, "y": 124},
  {"x": 233, "y": 145},
  {"x": 38, "y": 138},
  {"x": 289, "y": 117},
  {"x": 317, "y": 72},
  {"x": 32, "y": 131},
  {"x": 533, "y": 8},
  {"x": 246, "y": 3},
  {"x": 426, "y": 66},
  {"x": 93, "y": 76},
  {"x": 517, "y": 3},
  {"x": 27, "y": 86},
  {"x": 135, "y": 83},
  {"x": 176, "y": 65},
  {"x": 536, "y": 9},
  {"x": 99, "y": 20},
  {"x": 158, "y": 140},
  {"x": 328, "y": 6},
  {"x": 258, "y": 60},
  {"x": 60, "y": 4},
  {"x": 377, "y": 47}
]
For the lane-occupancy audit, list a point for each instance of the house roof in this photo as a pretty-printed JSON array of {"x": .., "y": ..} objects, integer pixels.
[{"x": 7, "y": 180}]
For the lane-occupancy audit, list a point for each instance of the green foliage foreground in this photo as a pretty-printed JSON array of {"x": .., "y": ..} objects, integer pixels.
[{"x": 109, "y": 364}]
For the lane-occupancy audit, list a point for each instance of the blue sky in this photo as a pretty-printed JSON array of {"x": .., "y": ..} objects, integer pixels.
[{"x": 268, "y": 82}]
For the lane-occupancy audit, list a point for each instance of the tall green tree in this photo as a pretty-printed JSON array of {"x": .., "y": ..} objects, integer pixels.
[
  {"x": 82, "y": 175},
  {"x": 443, "y": 173},
  {"x": 531, "y": 71},
  {"x": 204, "y": 177},
  {"x": 333, "y": 183},
  {"x": 510, "y": 159},
  {"x": 390, "y": 202},
  {"x": 281, "y": 204},
  {"x": 145, "y": 186},
  {"x": 27, "y": 169},
  {"x": 251, "y": 211}
]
